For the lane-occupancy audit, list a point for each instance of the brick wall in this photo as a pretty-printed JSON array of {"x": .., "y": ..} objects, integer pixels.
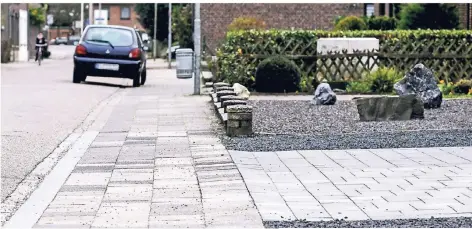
[
  {"x": 216, "y": 17},
  {"x": 114, "y": 14},
  {"x": 463, "y": 15}
]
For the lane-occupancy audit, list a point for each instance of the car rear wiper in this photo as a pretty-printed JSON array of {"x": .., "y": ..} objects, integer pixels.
[{"x": 102, "y": 41}]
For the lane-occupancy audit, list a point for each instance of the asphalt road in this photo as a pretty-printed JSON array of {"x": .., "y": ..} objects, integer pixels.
[{"x": 40, "y": 108}]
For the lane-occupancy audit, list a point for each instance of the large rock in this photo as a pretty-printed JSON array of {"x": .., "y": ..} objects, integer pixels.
[
  {"x": 420, "y": 81},
  {"x": 384, "y": 108},
  {"x": 241, "y": 91},
  {"x": 324, "y": 95}
]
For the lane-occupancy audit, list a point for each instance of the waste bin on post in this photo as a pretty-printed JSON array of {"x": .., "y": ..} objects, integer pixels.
[{"x": 184, "y": 59}]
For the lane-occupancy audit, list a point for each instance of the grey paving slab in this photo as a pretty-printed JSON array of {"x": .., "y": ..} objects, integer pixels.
[{"x": 358, "y": 184}]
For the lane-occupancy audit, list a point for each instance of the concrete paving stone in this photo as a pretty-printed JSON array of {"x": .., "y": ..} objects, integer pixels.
[
  {"x": 83, "y": 188},
  {"x": 296, "y": 162},
  {"x": 123, "y": 176},
  {"x": 163, "y": 209},
  {"x": 175, "y": 193},
  {"x": 269, "y": 213},
  {"x": 370, "y": 159},
  {"x": 444, "y": 156},
  {"x": 222, "y": 183},
  {"x": 161, "y": 162},
  {"x": 101, "y": 155},
  {"x": 214, "y": 167},
  {"x": 213, "y": 160},
  {"x": 114, "y": 215},
  {"x": 174, "y": 184},
  {"x": 100, "y": 192},
  {"x": 83, "y": 179},
  {"x": 125, "y": 193},
  {"x": 332, "y": 199},
  {"x": 460, "y": 208},
  {"x": 245, "y": 221},
  {"x": 282, "y": 177},
  {"x": 93, "y": 168},
  {"x": 267, "y": 197},
  {"x": 172, "y": 133},
  {"x": 177, "y": 217},
  {"x": 104, "y": 144},
  {"x": 289, "y": 155},
  {"x": 176, "y": 224},
  {"x": 67, "y": 221},
  {"x": 179, "y": 201},
  {"x": 289, "y": 187}
]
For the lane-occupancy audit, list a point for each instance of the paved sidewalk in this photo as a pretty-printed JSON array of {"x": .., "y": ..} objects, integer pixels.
[
  {"x": 373, "y": 184},
  {"x": 155, "y": 164}
]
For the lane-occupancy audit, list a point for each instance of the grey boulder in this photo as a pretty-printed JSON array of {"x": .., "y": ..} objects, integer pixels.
[
  {"x": 420, "y": 81},
  {"x": 386, "y": 108},
  {"x": 324, "y": 95}
]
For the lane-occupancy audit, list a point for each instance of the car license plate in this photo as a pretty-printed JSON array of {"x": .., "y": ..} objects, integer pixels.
[{"x": 111, "y": 67}]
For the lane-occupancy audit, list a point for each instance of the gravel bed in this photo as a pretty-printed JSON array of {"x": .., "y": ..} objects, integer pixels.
[
  {"x": 298, "y": 125},
  {"x": 453, "y": 222}
]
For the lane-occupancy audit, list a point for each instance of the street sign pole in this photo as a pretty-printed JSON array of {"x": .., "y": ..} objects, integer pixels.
[
  {"x": 197, "y": 45},
  {"x": 169, "y": 38}
]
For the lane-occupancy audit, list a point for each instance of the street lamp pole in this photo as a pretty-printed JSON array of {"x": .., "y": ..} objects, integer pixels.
[
  {"x": 81, "y": 18},
  {"x": 169, "y": 37},
  {"x": 90, "y": 13},
  {"x": 154, "y": 40},
  {"x": 197, "y": 45},
  {"x": 100, "y": 12}
]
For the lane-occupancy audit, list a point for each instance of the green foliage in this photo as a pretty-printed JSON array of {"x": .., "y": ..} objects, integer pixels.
[
  {"x": 464, "y": 86},
  {"x": 351, "y": 23},
  {"x": 382, "y": 80},
  {"x": 360, "y": 87},
  {"x": 429, "y": 16},
  {"x": 381, "y": 23},
  {"x": 277, "y": 74},
  {"x": 64, "y": 13},
  {"x": 447, "y": 88},
  {"x": 246, "y": 23},
  {"x": 182, "y": 29},
  {"x": 256, "y": 45},
  {"x": 145, "y": 11},
  {"x": 37, "y": 15}
]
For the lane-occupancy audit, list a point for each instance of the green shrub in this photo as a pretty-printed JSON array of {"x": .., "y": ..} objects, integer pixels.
[
  {"x": 351, "y": 23},
  {"x": 447, "y": 88},
  {"x": 358, "y": 87},
  {"x": 277, "y": 74},
  {"x": 463, "y": 86},
  {"x": 383, "y": 79},
  {"x": 429, "y": 16},
  {"x": 381, "y": 23},
  {"x": 246, "y": 23},
  {"x": 182, "y": 28}
]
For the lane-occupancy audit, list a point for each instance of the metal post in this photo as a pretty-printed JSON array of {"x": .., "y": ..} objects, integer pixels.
[
  {"x": 81, "y": 18},
  {"x": 90, "y": 13},
  {"x": 100, "y": 12},
  {"x": 154, "y": 40},
  {"x": 169, "y": 37},
  {"x": 197, "y": 45}
]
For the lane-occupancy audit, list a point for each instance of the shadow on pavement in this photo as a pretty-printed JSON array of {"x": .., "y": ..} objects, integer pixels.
[{"x": 106, "y": 84}]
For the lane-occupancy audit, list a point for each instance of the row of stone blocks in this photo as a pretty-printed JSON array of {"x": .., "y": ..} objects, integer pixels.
[{"x": 232, "y": 110}]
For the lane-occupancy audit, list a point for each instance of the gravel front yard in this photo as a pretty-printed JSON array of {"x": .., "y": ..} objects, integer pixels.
[{"x": 298, "y": 125}]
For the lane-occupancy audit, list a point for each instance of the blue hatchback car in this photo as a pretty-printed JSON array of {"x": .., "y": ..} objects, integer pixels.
[{"x": 110, "y": 51}]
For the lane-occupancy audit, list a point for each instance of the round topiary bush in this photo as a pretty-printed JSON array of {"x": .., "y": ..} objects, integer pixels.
[
  {"x": 351, "y": 23},
  {"x": 277, "y": 74}
]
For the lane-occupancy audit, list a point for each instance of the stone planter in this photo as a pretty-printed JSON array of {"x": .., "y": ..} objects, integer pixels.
[
  {"x": 227, "y": 103},
  {"x": 239, "y": 121},
  {"x": 223, "y": 93}
]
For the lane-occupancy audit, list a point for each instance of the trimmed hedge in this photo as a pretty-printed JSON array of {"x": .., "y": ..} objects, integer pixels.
[
  {"x": 277, "y": 74},
  {"x": 236, "y": 63}
]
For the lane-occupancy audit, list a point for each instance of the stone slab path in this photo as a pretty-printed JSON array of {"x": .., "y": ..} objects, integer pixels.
[{"x": 373, "y": 184}]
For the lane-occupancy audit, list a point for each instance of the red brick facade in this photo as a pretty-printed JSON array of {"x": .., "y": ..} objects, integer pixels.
[
  {"x": 114, "y": 15},
  {"x": 463, "y": 15},
  {"x": 216, "y": 17}
]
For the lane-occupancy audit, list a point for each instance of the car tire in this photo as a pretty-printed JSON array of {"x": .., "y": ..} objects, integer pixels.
[
  {"x": 78, "y": 76},
  {"x": 136, "y": 80},
  {"x": 143, "y": 77}
]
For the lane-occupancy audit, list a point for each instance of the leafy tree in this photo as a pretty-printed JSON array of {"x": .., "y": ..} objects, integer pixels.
[
  {"x": 429, "y": 16},
  {"x": 64, "y": 13},
  {"x": 182, "y": 28},
  {"x": 146, "y": 18}
]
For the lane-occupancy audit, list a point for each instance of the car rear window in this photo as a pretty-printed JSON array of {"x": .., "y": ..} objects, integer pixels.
[{"x": 116, "y": 36}]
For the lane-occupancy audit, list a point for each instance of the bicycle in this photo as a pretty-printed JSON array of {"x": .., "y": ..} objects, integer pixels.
[{"x": 40, "y": 53}]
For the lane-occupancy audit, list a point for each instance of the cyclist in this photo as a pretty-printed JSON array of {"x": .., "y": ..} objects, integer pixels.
[{"x": 40, "y": 40}]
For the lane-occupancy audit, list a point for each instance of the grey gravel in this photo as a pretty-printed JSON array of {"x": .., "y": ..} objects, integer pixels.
[
  {"x": 453, "y": 222},
  {"x": 298, "y": 125}
]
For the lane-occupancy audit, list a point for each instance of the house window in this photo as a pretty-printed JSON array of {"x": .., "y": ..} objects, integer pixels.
[
  {"x": 125, "y": 13},
  {"x": 369, "y": 9}
]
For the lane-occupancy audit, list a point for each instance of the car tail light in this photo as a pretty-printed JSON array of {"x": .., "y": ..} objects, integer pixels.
[
  {"x": 80, "y": 50},
  {"x": 135, "y": 53}
]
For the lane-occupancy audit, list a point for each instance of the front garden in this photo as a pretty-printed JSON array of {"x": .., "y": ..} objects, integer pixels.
[{"x": 289, "y": 62}]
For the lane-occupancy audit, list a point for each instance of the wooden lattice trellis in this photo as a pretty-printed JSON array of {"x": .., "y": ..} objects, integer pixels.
[{"x": 450, "y": 59}]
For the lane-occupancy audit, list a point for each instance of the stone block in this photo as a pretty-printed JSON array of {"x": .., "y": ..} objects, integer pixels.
[
  {"x": 390, "y": 108},
  {"x": 238, "y": 131},
  {"x": 220, "y": 84},
  {"x": 224, "y": 89},
  {"x": 239, "y": 109},
  {"x": 224, "y": 93},
  {"x": 226, "y": 103},
  {"x": 239, "y": 116}
]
